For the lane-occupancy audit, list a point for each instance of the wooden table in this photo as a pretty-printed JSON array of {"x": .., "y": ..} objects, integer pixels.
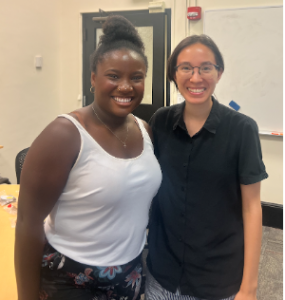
[{"x": 8, "y": 290}]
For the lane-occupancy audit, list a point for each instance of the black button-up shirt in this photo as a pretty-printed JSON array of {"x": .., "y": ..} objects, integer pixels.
[{"x": 196, "y": 237}]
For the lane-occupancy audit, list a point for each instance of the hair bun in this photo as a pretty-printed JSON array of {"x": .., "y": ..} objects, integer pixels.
[{"x": 119, "y": 28}]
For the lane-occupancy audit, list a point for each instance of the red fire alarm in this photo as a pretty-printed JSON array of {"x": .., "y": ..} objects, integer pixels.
[{"x": 194, "y": 13}]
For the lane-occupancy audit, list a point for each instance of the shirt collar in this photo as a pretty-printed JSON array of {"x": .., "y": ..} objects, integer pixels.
[{"x": 211, "y": 123}]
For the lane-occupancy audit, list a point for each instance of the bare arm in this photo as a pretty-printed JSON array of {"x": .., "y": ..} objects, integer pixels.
[
  {"x": 43, "y": 178},
  {"x": 252, "y": 219}
]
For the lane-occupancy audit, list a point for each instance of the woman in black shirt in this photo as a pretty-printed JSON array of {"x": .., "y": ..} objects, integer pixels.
[{"x": 206, "y": 222}]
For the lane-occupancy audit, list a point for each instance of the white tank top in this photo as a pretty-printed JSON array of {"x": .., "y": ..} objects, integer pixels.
[{"x": 101, "y": 216}]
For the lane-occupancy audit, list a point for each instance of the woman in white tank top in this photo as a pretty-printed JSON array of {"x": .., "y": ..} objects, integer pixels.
[{"x": 92, "y": 175}]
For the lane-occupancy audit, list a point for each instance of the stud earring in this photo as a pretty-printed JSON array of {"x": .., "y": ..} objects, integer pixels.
[{"x": 92, "y": 90}]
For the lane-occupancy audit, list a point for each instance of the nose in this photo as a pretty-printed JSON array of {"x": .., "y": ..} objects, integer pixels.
[
  {"x": 125, "y": 87},
  {"x": 196, "y": 77}
]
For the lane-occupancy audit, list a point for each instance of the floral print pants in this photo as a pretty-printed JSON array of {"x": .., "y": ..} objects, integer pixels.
[{"x": 65, "y": 279}]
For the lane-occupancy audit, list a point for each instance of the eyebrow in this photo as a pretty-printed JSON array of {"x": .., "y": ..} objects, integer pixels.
[
  {"x": 203, "y": 63},
  {"x": 139, "y": 72},
  {"x": 112, "y": 70},
  {"x": 120, "y": 71}
]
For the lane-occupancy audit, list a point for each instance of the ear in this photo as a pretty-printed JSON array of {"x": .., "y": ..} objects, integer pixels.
[
  {"x": 93, "y": 79},
  {"x": 220, "y": 73}
]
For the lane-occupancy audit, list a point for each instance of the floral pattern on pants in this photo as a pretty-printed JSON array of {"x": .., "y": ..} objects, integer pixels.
[{"x": 63, "y": 278}]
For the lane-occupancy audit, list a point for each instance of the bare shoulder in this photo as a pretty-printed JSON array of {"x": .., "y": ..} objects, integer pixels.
[
  {"x": 46, "y": 168},
  {"x": 61, "y": 130},
  {"x": 60, "y": 139},
  {"x": 81, "y": 114}
]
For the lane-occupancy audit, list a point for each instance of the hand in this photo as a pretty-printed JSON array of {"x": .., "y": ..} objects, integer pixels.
[{"x": 245, "y": 296}]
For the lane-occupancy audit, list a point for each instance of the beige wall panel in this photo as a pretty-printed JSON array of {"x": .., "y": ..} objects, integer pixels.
[{"x": 29, "y": 98}]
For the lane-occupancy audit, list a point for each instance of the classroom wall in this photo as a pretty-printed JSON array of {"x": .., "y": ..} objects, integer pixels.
[
  {"x": 272, "y": 147},
  {"x": 29, "y": 98},
  {"x": 197, "y": 27}
]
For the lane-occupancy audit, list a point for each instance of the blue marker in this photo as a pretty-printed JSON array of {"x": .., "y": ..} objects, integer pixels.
[{"x": 234, "y": 105}]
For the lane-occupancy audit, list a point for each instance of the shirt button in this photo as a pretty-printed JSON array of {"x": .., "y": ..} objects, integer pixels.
[
  {"x": 182, "y": 188},
  {"x": 185, "y": 165}
]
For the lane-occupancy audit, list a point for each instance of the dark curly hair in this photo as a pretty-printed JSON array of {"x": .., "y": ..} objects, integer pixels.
[
  {"x": 118, "y": 33},
  {"x": 188, "y": 41}
]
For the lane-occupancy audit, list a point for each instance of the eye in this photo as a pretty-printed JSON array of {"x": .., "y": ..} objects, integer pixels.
[
  {"x": 113, "y": 76},
  {"x": 138, "y": 78},
  {"x": 186, "y": 68},
  {"x": 206, "y": 68}
]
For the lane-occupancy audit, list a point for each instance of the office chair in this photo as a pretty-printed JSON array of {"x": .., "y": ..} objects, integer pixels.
[
  {"x": 20, "y": 158},
  {"x": 4, "y": 180}
]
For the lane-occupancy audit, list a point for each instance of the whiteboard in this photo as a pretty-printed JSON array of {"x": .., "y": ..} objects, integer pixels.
[{"x": 250, "y": 40}]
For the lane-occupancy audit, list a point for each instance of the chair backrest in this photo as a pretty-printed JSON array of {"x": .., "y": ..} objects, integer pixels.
[
  {"x": 4, "y": 180},
  {"x": 20, "y": 158}
]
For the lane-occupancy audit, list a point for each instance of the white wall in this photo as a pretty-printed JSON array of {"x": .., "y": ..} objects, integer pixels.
[
  {"x": 197, "y": 27},
  {"x": 272, "y": 147},
  {"x": 29, "y": 98}
]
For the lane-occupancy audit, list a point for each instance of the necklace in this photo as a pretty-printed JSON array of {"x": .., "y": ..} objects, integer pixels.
[{"x": 123, "y": 142}]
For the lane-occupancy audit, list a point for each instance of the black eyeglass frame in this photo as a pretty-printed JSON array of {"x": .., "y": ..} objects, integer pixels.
[{"x": 209, "y": 63}]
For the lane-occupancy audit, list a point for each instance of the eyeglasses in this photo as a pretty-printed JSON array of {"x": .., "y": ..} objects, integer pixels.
[{"x": 206, "y": 69}]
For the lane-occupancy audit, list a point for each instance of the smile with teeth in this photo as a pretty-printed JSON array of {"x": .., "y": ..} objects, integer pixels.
[
  {"x": 122, "y": 100},
  {"x": 196, "y": 90}
]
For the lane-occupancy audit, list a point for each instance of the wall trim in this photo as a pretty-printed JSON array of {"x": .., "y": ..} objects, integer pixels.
[{"x": 272, "y": 215}]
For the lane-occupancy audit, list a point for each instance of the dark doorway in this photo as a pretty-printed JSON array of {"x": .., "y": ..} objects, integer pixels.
[{"x": 158, "y": 23}]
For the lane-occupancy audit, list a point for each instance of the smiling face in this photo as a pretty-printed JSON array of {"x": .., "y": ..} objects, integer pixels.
[
  {"x": 196, "y": 89},
  {"x": 119, "y": 82}
]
